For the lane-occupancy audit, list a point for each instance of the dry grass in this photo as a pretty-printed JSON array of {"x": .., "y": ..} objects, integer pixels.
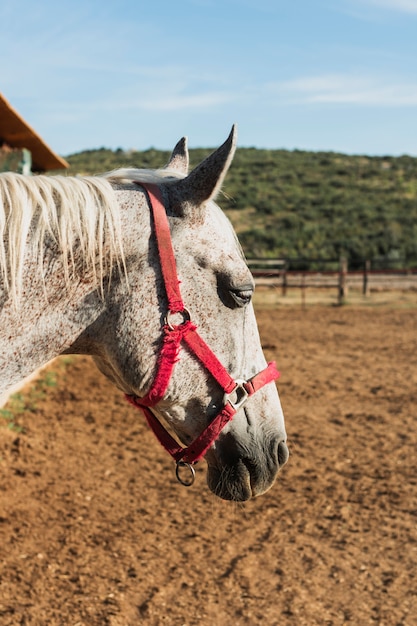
[{"x": 271, "y": 297}]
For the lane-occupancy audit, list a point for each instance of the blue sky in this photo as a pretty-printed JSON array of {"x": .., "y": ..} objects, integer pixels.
[{"x": 336, "y": 75}]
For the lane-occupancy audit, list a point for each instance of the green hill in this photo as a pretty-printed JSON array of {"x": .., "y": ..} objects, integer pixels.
[{"x": 298, "y": 204}]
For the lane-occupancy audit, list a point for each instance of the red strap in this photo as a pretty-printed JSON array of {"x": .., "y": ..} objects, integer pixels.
[
  {"x": 163, "y": 436},
  {"x": 198, "y": 346},
  {"x": 197, "y": 449},
  {"x": 166, "y": 253},
  {"x": 166, "y": 361},
  {"x": 261, "y": 379},
  {"x": 173, "y": 336}
]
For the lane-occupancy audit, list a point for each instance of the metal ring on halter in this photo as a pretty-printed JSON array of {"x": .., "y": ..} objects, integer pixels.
[
  {"x": 186, "y": 317},
  {"x": 190, "y": 481}
]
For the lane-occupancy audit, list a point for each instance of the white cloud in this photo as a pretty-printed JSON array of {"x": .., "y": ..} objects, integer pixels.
[
  {"x": 348, "y": 89},
  {"x": 405, "y": 6},
  {"x": 378, "y": 11}
]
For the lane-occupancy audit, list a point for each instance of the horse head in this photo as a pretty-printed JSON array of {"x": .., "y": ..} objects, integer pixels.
[{"x": 216, "y": 288}]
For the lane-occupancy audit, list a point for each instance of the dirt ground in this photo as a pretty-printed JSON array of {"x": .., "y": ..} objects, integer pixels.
[{"x": 95, "y": 530}]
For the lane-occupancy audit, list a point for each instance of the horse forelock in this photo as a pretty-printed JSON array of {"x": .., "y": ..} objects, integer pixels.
[
  {"x": 133, "y": 175},
  {"x": 73, "y": 212}
]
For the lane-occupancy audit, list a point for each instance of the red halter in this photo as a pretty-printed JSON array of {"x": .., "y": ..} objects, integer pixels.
[{"x": 186, "y": 332}]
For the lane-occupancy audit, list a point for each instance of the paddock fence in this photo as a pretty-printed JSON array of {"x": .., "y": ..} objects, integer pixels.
[{"x": 366, "y": 277}]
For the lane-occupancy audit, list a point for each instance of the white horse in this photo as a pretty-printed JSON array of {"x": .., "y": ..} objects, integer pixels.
[{"x": 87, "y": 266}]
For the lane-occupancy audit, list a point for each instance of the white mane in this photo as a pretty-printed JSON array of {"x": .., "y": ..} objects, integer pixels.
[
  {"x": 74, "y": 212},
  {"x": 127, "y": 174}
]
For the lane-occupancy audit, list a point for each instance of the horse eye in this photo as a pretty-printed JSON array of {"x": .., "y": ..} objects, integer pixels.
[{"x": 242, "y": 296}]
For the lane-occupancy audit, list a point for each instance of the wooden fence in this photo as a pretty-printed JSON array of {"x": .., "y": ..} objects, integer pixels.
[{"x": 276, "y": 273}]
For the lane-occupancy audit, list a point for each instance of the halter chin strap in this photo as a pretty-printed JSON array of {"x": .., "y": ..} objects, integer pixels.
[{"x": 236, "y": 392}]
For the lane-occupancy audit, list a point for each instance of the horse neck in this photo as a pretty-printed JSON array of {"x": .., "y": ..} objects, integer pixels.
[
  {"x": 43, "y": 320},
  {"x": 51, "y": 315},
  {"x": 36, "y": 331}
]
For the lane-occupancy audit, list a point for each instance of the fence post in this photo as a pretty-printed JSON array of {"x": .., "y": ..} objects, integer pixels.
[
  {"x": 284, "y": 280},
  {"x": 303, "y": 291},
  {"x": 365, "y": 286},
  {"x": 342, "y": 286}
]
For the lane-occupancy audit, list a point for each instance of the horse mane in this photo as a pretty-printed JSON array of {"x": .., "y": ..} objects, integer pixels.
[
  {"x": 76, "y": 214},
  {"x": 80, "y": 215}
]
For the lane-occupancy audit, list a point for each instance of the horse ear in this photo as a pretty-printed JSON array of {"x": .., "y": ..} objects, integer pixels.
[
  {"x": 179, "y": 160},
  {"x": 204, "y": 182}
]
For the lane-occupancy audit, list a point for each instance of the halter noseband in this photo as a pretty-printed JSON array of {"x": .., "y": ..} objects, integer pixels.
[{"x": 186, "y": 332}]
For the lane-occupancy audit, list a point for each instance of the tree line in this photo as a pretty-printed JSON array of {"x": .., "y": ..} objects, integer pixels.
[{"x": 304, "y": 205}]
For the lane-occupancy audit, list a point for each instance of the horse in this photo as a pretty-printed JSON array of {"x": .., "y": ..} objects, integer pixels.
[{"x": 143, "y": 271}]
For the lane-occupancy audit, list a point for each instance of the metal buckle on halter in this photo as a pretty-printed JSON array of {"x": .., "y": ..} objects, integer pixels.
[
  {"x": 186, "y": 317},
  {"x": 187, "y": 483},
  {"x": 241, "y": 395}
]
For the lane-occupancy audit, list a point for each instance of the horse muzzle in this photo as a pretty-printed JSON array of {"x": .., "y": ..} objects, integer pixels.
[{"x": 233, "y": 474}]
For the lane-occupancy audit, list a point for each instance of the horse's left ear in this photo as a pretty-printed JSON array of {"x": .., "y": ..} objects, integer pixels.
[
  {"x": 204, "y": 182},
  {"x": 179, "y": 160}
]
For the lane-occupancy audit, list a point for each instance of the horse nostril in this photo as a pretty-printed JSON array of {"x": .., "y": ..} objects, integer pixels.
[{"x": 283, "y": 453}]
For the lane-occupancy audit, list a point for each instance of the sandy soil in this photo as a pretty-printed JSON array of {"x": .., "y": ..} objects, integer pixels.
[{"x": 95, "y": 531}]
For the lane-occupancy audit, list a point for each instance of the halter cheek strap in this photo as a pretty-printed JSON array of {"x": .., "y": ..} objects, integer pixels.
[{"x": 236, "y": 392}]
